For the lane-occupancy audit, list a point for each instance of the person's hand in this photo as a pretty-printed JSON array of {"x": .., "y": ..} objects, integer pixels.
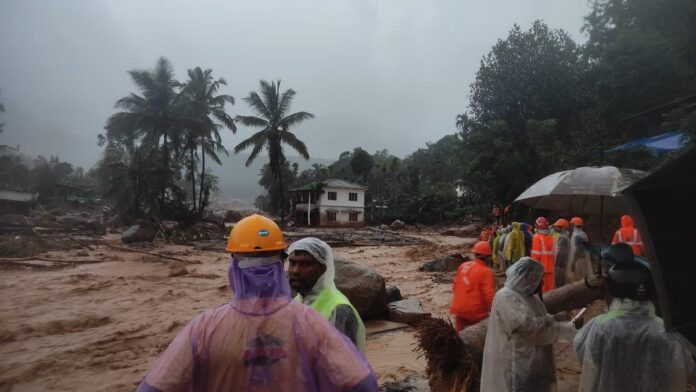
[{"x": 595, "y": 282}]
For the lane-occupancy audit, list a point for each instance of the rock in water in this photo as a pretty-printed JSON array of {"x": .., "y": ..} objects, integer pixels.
[
  {"x": 138, "y": 233},
  {"x": 397, "y": 225},
  {"x": 446, "y": 264},
  {"x": 393, "y": 294},
  {"x": 364, "y": 288},
  {"x": 468, "y": 231},
  {"x": 407, "y": 311}
]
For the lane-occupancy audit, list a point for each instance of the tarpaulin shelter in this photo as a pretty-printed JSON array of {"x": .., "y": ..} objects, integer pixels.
[
  {"x": 657, "y": 145},
  {"x": 663, "y": 205}
]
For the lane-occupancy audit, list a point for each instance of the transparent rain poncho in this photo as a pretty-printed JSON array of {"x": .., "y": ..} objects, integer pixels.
[
  {"x": 260, "y": 341},
  {"x": 628, "y": 349},
  {"x": 579, "y": 261},
  {"x": 325, "y": 297},
  {"x": 561, "y": 257},
  {"x": 518, "y": 355}
]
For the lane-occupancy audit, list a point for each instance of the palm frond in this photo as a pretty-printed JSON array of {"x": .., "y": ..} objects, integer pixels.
[
  {"x": 256, "y": 103},
  {"x": 254, "y": 153},
  {"x": 295, "y": 118},
  {"x": 298, "y": 145},
  {"x": 285, "y": 102},
  {"x": 251, "y": 121},
  {"x": 259, "y": 138}
]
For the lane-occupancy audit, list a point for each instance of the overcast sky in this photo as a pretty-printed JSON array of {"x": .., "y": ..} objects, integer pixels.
[{"x": 378, "y": 74}]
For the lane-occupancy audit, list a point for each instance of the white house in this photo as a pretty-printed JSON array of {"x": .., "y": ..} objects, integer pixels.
[{"x": 330, "y": 203}]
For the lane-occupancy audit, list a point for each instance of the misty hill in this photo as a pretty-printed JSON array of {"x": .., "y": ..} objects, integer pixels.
[{"x": 237, "y": 181}]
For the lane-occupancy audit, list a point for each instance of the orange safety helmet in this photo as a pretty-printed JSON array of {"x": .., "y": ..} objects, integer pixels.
[
  {"x": 577, "y": 221},
  {"x": 562, "y": 223},
  {"x": 255, "y": 233},
  {"x": 482, "y": 248},
  {"x": 542, "y": 223}
]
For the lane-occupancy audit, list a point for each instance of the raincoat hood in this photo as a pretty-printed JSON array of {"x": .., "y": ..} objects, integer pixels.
[
  {"x": 626, "y": 221},
  {"x": 525, "y": 276},
  {"x": 322, "y": 253}
]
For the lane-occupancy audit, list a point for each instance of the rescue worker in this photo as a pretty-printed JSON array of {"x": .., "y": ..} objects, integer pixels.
[
  {"x": 518, "y": 354},
  {"x": 543, "y": 251},
  {"x": 630, "y": 235},
  {"x": 496, "y": 214},
  {"x": 627, "y": 348},
  {"x": 311, "y": 271},
  {"x": 561, "y": 251},
  {"x": 474, "y": 288},
  {"x": 579, "y": 261},
  {"x": 513, "y": 249},
  {"x": 528, "y": 235},
  {"x": 261, "y": 340},
  {"x": 495, "y": 249}
]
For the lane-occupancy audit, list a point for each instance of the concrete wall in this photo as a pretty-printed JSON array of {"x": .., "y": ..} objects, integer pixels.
[
  {"x": 342, "y": 217},
  {"x": 342, "y": 198}
]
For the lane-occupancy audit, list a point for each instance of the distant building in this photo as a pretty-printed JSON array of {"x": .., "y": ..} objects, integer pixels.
[
  {"x": 15, "y": 202},
  {"x": 329, "y": 203}
]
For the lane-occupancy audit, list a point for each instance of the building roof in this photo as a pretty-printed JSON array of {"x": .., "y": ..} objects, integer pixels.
[
  {"x": 336, "y": 183},
  {"x": 24, "y": 197}
]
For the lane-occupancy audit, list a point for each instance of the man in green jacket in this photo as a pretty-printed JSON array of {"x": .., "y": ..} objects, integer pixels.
[{"x": 311, "y": 272}]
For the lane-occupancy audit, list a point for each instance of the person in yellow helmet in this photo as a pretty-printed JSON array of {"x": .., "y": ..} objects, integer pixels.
[
  {"x": 311, "y": 272},
  {"x": 261, "y": 340}
]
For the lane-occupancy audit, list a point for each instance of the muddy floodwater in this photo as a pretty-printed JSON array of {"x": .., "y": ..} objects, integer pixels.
[{"x": 98, "y": 326}]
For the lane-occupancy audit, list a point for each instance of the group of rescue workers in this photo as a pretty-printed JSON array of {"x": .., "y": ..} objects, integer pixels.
[
  {"x": 265, "y": 340},
  {"x": 625, "y": 349}
]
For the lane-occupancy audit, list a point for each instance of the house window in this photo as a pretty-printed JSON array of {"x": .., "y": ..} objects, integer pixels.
[
  {"x": 331, "y": 216},
  {"x": 352, "y": 196},
  {"x": 353, "y": 217},
  {"x": 332, "y": 195}
]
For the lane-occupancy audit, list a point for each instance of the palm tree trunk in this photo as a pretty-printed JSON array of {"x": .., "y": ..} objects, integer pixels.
[
  {"x": 193, "y": 177},
  {"x": 200, "y": 197},
  {"x": 281, "y": 198}
]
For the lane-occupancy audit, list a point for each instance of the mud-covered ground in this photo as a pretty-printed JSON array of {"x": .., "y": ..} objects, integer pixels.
[{"x": 98, "y": 326}]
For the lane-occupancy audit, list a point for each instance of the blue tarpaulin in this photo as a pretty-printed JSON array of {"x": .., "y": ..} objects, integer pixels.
[{"x": 658, "y": 144}]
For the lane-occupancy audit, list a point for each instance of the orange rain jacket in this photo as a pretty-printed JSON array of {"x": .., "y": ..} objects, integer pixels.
[
  {"x": 543, "y": 251},
  {"x": 473, "y": 291},
  {"x": 630, "y": 235}
]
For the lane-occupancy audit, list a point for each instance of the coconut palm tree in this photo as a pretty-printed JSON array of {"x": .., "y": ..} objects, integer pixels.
[
  {"x": 272, "y": 117},
  {"x": 157, "y": 114},
  {"x": 209, "y": 110}
]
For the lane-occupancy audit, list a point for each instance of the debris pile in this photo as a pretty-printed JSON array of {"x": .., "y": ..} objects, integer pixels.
[{"x": 337, "y": 237}]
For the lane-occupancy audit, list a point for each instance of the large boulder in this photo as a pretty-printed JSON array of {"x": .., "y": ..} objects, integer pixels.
[
  {"x": 138, "y": 233},
  {"x": 364, "y": 288},
  {"x": 393, "y": 294},
  {"x": 407, "y": 311},
  {"x": 397, "y": 225},
  {"x": 468, "y": 231},
  {"x": 233, "y": 216},
  {"x": 445, "y": 264}
]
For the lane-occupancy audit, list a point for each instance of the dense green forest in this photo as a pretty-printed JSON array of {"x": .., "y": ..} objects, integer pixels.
[{"x": 539, "y": 103}]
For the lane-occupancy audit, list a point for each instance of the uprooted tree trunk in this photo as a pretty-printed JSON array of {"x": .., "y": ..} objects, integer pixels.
[{"x": 454, "y": 360}]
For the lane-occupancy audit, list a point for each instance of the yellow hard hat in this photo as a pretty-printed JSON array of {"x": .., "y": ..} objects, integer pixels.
[{"x": 255, "y": 233}]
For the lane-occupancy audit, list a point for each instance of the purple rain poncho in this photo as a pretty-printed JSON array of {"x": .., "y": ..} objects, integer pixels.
[{"x": 260, "y": 341}]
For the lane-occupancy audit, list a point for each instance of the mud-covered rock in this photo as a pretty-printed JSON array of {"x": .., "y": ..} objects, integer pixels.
[
  {"x": 445, "y": 264},
  {"x": 397, "y": 225},
  {"x": 364, "y": 288},
  {"x": 393, "y": 294},
  {"x": 138, "y": 233},
  {"x": 407, "y": 311}
]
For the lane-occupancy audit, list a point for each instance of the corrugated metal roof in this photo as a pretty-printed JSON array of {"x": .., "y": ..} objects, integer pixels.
[
  {"x": 342, "y": 184},
  {"x": 18, "y": 196}
]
